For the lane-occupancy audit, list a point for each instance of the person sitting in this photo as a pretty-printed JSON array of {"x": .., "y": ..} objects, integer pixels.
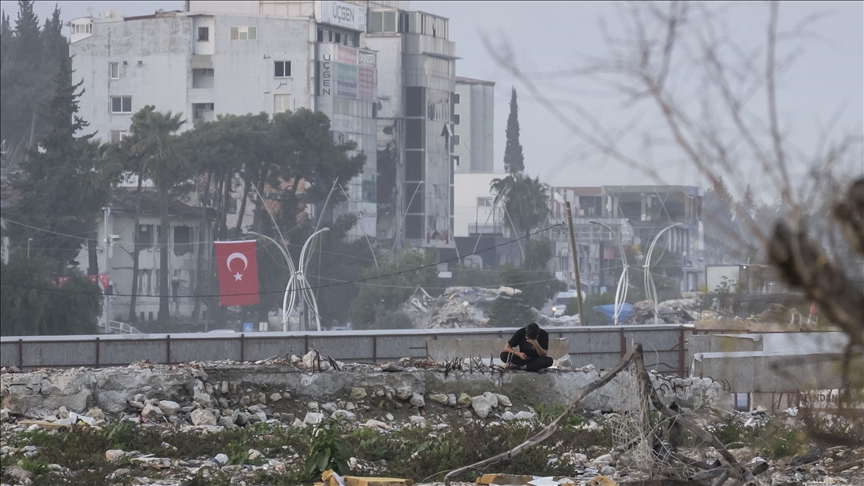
[{"x": 533, "y": 353}]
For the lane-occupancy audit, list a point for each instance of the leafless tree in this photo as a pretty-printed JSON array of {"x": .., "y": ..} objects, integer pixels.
[{"x": 715, "y": 102}]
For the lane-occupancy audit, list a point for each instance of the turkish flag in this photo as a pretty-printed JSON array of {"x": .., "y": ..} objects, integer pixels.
[{"x": 238, "y": 272}]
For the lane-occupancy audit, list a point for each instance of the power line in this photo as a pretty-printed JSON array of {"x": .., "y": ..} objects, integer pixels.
[
  {"x": 47, "y": 231},
  {"x": 336, "y": 284}
]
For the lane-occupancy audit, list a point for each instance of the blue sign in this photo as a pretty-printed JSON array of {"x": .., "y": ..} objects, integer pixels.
[{"x": 248, "y": 327}]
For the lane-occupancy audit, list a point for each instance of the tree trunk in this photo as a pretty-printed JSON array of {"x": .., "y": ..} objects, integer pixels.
[
  {"x": 223, "y": 217},
  {"x": 92, "y": 256},
  {"x": 199, "y": 272},
  {"x": 246, "y": 187},
  {"x": 136, "y": 251},
  {"x": 164, "y": 291},
  {"x": 259, "y": 201}
]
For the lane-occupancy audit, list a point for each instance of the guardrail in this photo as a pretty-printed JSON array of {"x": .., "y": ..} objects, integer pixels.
[
  {"x": 602, "y": 346},
  {"x": 117, "y": 327}
]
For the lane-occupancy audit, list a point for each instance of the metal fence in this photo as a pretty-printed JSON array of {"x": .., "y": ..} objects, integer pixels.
[{"x": 602, "y": 346}]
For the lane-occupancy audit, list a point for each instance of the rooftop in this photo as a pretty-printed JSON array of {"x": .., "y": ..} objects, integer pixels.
[{"x": 462, "y": 80}]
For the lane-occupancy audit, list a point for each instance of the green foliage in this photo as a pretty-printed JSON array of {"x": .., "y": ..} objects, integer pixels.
[
  {"x": 31, "y": 305},
  {"x": 514, "y": 160},
  {"x": 509, "y": 311},
  {"x": 390, "y": 292},
  {"x": 545, "y": 414},
  {"x": 35, "y": 466},
  {"x": 328, "y": 450},
  {"x": 526, "y": 201}
]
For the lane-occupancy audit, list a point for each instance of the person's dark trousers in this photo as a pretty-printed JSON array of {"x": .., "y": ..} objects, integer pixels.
[{"x": 535, "y": 364}]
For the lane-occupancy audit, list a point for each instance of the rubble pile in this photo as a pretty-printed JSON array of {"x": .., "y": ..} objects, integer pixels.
[
  {"x": 457, "y": 307},
  {"x": 678, "y": 311}
]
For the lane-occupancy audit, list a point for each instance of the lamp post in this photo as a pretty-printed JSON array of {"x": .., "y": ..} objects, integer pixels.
[
  {"x": 560, "y": 199},
  {"x": 623, "y": 280},
  {"x": 650, "y": 288},
  {"x": 28, "y": 246},
  {"x": 299, "y": 284}
]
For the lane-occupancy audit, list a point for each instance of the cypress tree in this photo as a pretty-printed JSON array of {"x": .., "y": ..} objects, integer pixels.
[{"x": 514, "y": 161}]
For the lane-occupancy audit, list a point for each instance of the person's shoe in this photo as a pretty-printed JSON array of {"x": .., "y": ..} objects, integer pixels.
[{"x": 517, "y": 367}]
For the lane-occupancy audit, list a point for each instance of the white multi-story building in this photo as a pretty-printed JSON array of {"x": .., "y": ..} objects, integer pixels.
[
  {"x": 236, "y": 58},
  {"x": 473, "y": 125}
]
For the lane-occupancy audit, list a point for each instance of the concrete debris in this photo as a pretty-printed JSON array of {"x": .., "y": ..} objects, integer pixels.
[
  {"x": 457, "y": 307},
  {"x": 481, "y": 405},
  {"x": 202, "y": 417},
  {"x": 114, "y": 455}
]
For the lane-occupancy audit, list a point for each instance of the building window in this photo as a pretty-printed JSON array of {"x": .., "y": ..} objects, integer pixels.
[
  {"x": 203, "y": 34},
  {"x": 182, "y": 240},
  {"x": 114, "y": 70},
  {"x": 380, "y": 22},
  {"x": 282, "y": 69},
  {"x": 320, "y": 35},
  {"x": 118, "y": 136},
  {"x": 244, "y": 33},
  {"x": 232, "y": 206},
  {"x": 457, "y": 139},
  {"x": 281, "y": 103},
  {"x": 456, "y": 161},
  {"x": 457, "y": 98},
  {"x": 457, "y": 119},
  {"x": 201, "y": 111},
  {"x": 82, "y": 29},
  {"x": 337, "y": 37},
  {"x": 485, "y": 202},
  {"x": 121, "y": 104},
  {"x": 144, "y": 238}
]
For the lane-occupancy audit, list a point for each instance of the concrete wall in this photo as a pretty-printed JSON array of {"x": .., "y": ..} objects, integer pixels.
[
  {"x": 475, "y": 128},
  {"x": 600, "y": 346}
]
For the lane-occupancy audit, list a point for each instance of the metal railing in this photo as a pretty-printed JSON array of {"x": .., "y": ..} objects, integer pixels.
[{"x": 117, "y": 327}]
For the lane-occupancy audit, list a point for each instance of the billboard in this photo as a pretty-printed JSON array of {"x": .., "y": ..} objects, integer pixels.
[
  {"x": 346, "y": 72},
  {"x": 343, "y": 14}
]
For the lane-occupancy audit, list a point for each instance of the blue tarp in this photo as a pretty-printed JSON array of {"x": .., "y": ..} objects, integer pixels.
[{"x": 609, "y": 312}]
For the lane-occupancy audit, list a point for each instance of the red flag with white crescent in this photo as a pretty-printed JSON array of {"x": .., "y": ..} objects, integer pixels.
[{"x": 238, "y": 272}]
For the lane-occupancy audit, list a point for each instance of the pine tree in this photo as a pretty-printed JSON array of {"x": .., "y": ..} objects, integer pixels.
[
  {"x": 66, "y": 179},
  {"x": 514, "y": 161}
]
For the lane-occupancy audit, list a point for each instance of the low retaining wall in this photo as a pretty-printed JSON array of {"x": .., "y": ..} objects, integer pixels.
[{"x": 601, "y": 346}]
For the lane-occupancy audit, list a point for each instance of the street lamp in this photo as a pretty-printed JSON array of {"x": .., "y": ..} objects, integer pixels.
[
  {"x": 28, "y": 246},
  {"x": 560, "y": 200},
  {"x": 650, "y": 288},
  {"x": 623, "y": 280},
  {"x": 299, "y": 283}
]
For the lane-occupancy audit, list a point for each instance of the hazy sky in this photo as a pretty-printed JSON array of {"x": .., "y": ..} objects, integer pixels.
[{"x": 826, "y": 79}]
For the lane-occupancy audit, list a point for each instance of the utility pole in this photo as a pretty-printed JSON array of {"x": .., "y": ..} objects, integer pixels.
[
  {"x": 107, "y": 295},
  {"x": 575, "y": 263}
]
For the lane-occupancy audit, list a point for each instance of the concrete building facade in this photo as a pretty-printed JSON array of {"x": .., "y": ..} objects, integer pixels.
[
  {"x": 236, "y": 58},
  {"x": 473, "y": 125},
  {"x": 637, "y": 214}
]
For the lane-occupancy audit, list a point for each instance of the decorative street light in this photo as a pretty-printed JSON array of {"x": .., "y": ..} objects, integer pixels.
[
  {"x": 299, "y": 284},
  {"x": 623, "y": 280},
  {"x": 650, "y": 288}
]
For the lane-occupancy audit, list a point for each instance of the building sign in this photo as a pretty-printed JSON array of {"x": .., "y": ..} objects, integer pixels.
[
  {"x": 366, "y": 58},
  {"x": 346, "y": 55},
  {"x": 343, "y": 14},
  {"x": 366, "y": 84},
  {"x": 346, "y": 81},
  {"x": 325, "y": 69}
]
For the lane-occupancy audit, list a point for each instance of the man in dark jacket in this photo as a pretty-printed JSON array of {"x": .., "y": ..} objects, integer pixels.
[{"x": 533, "y": 352}]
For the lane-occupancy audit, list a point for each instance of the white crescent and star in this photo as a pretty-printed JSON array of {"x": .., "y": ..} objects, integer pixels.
[{"x": 238, "y": 256}]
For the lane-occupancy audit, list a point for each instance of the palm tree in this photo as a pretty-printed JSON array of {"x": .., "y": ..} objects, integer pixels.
[
  {"x": 526, "y": 201},
  {"x": 154, "y": 141}
]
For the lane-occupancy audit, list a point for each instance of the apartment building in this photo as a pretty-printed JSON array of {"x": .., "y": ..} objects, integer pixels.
[{"x": 473, "y": 125}]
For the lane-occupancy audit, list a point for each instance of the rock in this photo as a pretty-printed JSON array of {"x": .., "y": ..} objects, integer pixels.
[
  {"x": 438, "y": 398},
  {"x": 313, "y": 418},
  {"x": 256, "y": 417},
  {"x": 507, "y": 416},
  {"x": 358, "y": 393},
  {"x": 297, "y": 424},
  {"x": 220, "y": 459},
  {"x": 227, "y": 422},
  {"x": 136, "y": 404},
  {"x": 114, "y": 455},
  {"x": 275, "y": 397},
  {"x": 254, "y": 454},
  {"x": 525, "y": 416},
  {"x": 376, "y": 424},
  {"x": 4, "y": 415},
  {"x": 464, "y": 400},
  {"x": 309, "y": 359},
  {"x": 503, "y": 401},
  {"x": 96, "y": 414},
  {"x": 63, "y": 413},
  {"x": 313, "y": 406},
  {"x": 329, "y": 407},
  {"x": 607, "y": 471},
  {"x": 417, "y": 400},
  {"x": 223, "y": 388},
  {"x": 202, "y": 417},
  {"x": 563, "y": 362},
  {"x": 493, "y": 399},
  {"x": 202, "y": 398},
  {"x": 389, "y": 417},
  {"x": 151, "y": 412},
  {"x": 451, "y": 400},
  {"x": 481, "y": 406},
  {"x": 392, "y": 367},
  {"x": 602, "y": 481},
  {"x": 601, "y": 461},
  {"x": 245, "y": 400},
  {"x": 418, "y": 420},
  {"x": 349, "y": 406},
  {"x": 168, "y": 407},
  {"x": 404, "y": 393},
  {"x": 241, "y": 419},
  {"x": 345, "y": 414},
  {"x": 19, "y": 473}
]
